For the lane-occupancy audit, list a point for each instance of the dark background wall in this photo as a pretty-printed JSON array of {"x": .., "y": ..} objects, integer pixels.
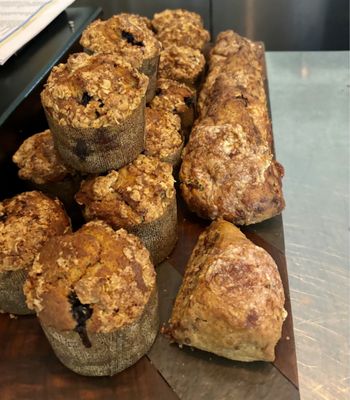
[{"x": 281, "y": 24}]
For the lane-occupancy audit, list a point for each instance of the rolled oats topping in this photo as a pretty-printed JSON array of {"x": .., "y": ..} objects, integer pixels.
[
  {"x": 38, "y": 161},
  {"x": 162, "y": 133},
  {"x": 173, "y": 96},
  {"x": 125, "y": 34},
  {"x": 181, "y": 63},
  {"x": 168, "y": 18},
  {"x": 138, "y": 193},
  {"x": 93, "y": 91},
  {"x": 107, "y": 272},
  {"x": 27, "y": 221}
]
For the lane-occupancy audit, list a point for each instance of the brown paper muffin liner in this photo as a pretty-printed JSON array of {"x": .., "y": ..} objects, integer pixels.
[
  {"x": 109, "y": 353},
  {"x": 12, "y": 299},
  {"x": 159, "y": 236},
  {"x": 102, "y": 149},
  {"x": 150, "y": 69}
]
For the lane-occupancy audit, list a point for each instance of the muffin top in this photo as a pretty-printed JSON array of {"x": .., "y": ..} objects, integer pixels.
[
  {"x": 162, "y": 133},
  {"x": 184, "y": 34},
  {"x": 93, "y": 91},
  {"x": 27, "y": 221},
  {"x": 127, "y": 35},
  {"x": 38, "y": 160},
  {"x": 173, "y": 96},
  {"x": 138, "y": 193},
  {"x": 94, "y": 278},
  {"x": 168, "y": 18},
  {"x": 181, "y": 63}
]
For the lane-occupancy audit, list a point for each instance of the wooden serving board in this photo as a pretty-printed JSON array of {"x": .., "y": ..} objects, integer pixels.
[{"x": 30, "y": 370}]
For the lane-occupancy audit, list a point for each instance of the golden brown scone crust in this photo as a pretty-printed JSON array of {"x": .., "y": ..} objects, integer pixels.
[
  {"x": 110, "y": 271},
  {"x": 168, "y": 18},
  {"x": 138, "y": 193},
  {"x": 127, "y": 35},
  {"x": 27, "y": 222},
  {"x": 226, "y": 173},
  {"x": 93, "y": 91},
  {"x": 181, "y": 63},
  {"x": 163, "y": 138},
  {"x": 38, "y": 160},
  {"x": 231, "y": 299}
]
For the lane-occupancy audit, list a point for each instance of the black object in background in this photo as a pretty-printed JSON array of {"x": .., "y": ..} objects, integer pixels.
[{"x": 280, "y": 24}]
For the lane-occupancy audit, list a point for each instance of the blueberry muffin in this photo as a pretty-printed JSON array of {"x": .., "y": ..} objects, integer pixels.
[
  {"x": 40, "y": 164},
  {"x": 178, "y": 98},
  {"x": 168, "y": 18},
  {"x": 182, "y": 64},
  {"x": 163, "y": 138},
  {"x": 139, "y": 197},
  {"x": 94, "y": 292},
  {"x": 128, "y": 36},
  {"x": 95, "y": 109},
  {"x": 27, "y": 222},
  {"x": 231, "y": 299}
]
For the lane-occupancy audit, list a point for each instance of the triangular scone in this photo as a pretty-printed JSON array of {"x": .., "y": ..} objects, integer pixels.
[{"x": 231, "y": 299}]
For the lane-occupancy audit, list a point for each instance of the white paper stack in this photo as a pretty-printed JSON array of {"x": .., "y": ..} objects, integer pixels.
[{"x": 21, "y": 20}]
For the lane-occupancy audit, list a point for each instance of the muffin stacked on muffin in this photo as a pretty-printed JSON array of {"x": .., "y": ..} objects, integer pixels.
[
  {"x": 184, "y": 38},
  {"x": 95, "y": 109},
  {"x": 139, "y": 197},
  {"x": 129, "y": 37},
  {"x": 95, "y": 295},
  {"x": 27, "y": 222},
  {"x": 40, "y": 164}
]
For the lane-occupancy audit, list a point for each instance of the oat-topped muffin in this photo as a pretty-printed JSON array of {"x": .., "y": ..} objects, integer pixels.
[
  {"x": 140, "y": 197},
  {"x": 40, "y": 164},
  {"x": 177, "y": 98},
  {"x": 182, "y": 64},
  {"x": 95, "y": 109},
  {"x": 128, "y": 36},
  {"x": 188, "y": 34},
  {"x": 225, "y": 173},
  {"x": 168, "y": 18},
  {"x": 95, "y": 294},
  {"x": 27, "y": 221},
  {"x": 163, "y": 138}
]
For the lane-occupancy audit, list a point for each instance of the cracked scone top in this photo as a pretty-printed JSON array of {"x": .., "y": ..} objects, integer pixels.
[
  {"x": 231, "y": 298},
  {"x": 138, "y": 193},
  {"x": 108, "y": 272},
  {"x": 169, "y": 18},
  {"x": 226, "y": 173},
  {"x": 127, "y": 35},
  {"x": 163, "y": 137},
  {"x": 38, "y": 160},
  {"x": 181, "y": 63},
  {"x": 93, "y": 91},
  {"x": 27, "y": 221}
]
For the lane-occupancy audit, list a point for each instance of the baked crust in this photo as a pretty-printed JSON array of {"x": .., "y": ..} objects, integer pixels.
[
  {"x": 93, "y": 91},
  {"x": 182, "y": 64},
  {"x": 27, "y": 222},
  {"x": 168, "y": 18},
  {"x": 163, "y": 138},
  {"x": 38, "y": 160},
  {"x": 226, "y": 173},
  {"x": 231, "y": 299},
  {"x": 187, "y": 34},
  {"x": 127, "y": 35},
  {"x": 137, "y": 193},
  {"x": 109, "y": 271}
]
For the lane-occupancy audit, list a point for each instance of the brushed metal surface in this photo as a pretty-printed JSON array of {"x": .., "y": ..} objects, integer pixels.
[{"x": 309, "y": 94}]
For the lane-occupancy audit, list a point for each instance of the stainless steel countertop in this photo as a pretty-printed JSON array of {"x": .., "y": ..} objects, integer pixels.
[{"x": 309, "y": 94}]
